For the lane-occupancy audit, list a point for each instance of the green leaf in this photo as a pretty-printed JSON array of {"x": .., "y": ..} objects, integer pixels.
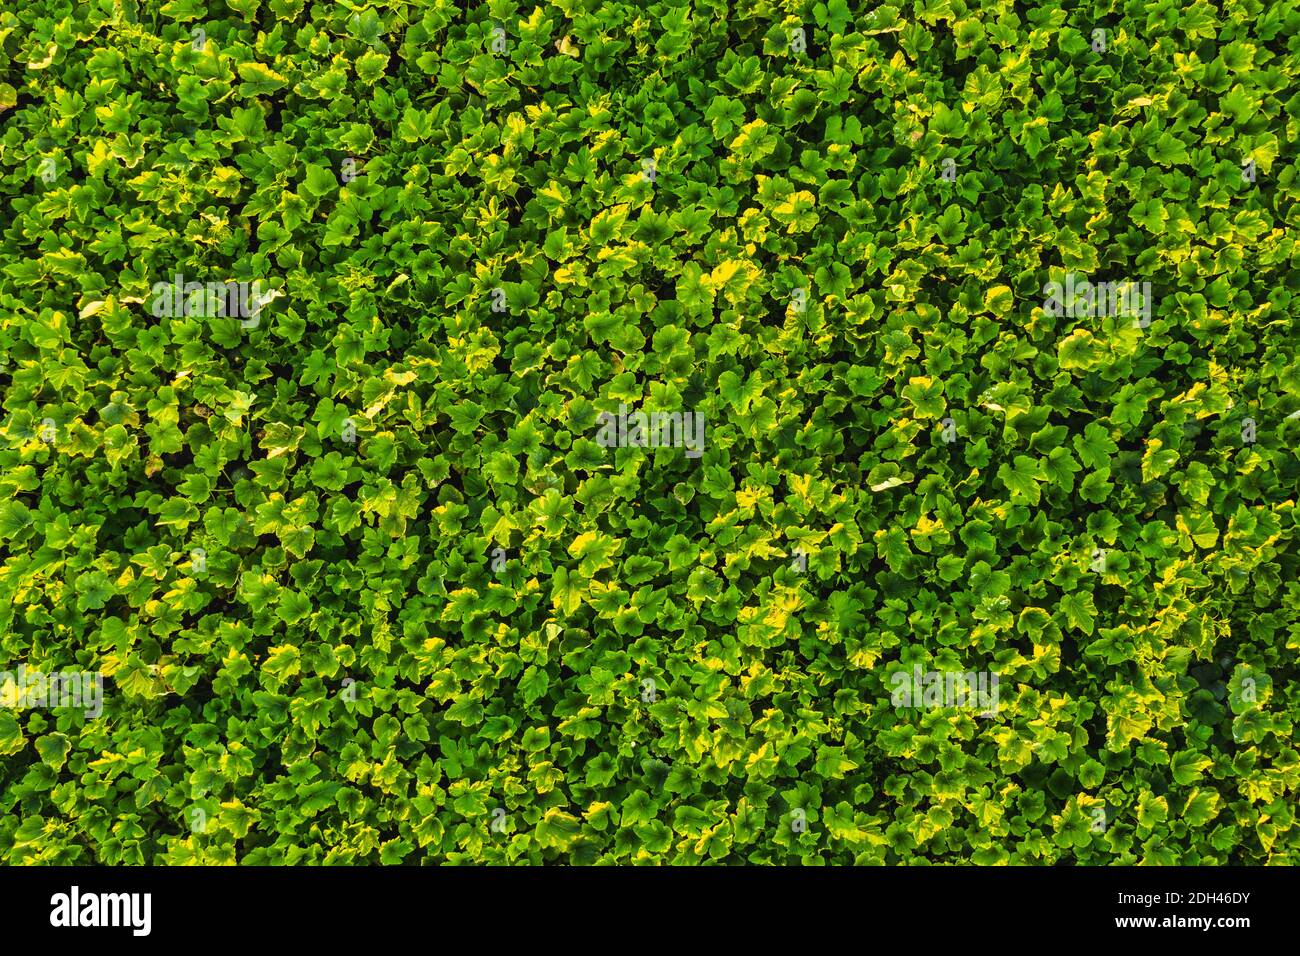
[
  {"x": 15, "y": 518},
  {"x": 1079, "y": 611},
  {"x": 1095, "y": 446},
  {"x": 1186, "y": 767},
  {"x": 319, "y": 181},
  {"x": 926, "y": 397},
  {"x": 1022, "y": 478},
  {"x": 11, "y": 734},
  {"x": 533, "y": 684}
]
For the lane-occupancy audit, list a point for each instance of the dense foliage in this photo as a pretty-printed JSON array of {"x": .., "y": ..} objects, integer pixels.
[{"x": 366, "y": 587}]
